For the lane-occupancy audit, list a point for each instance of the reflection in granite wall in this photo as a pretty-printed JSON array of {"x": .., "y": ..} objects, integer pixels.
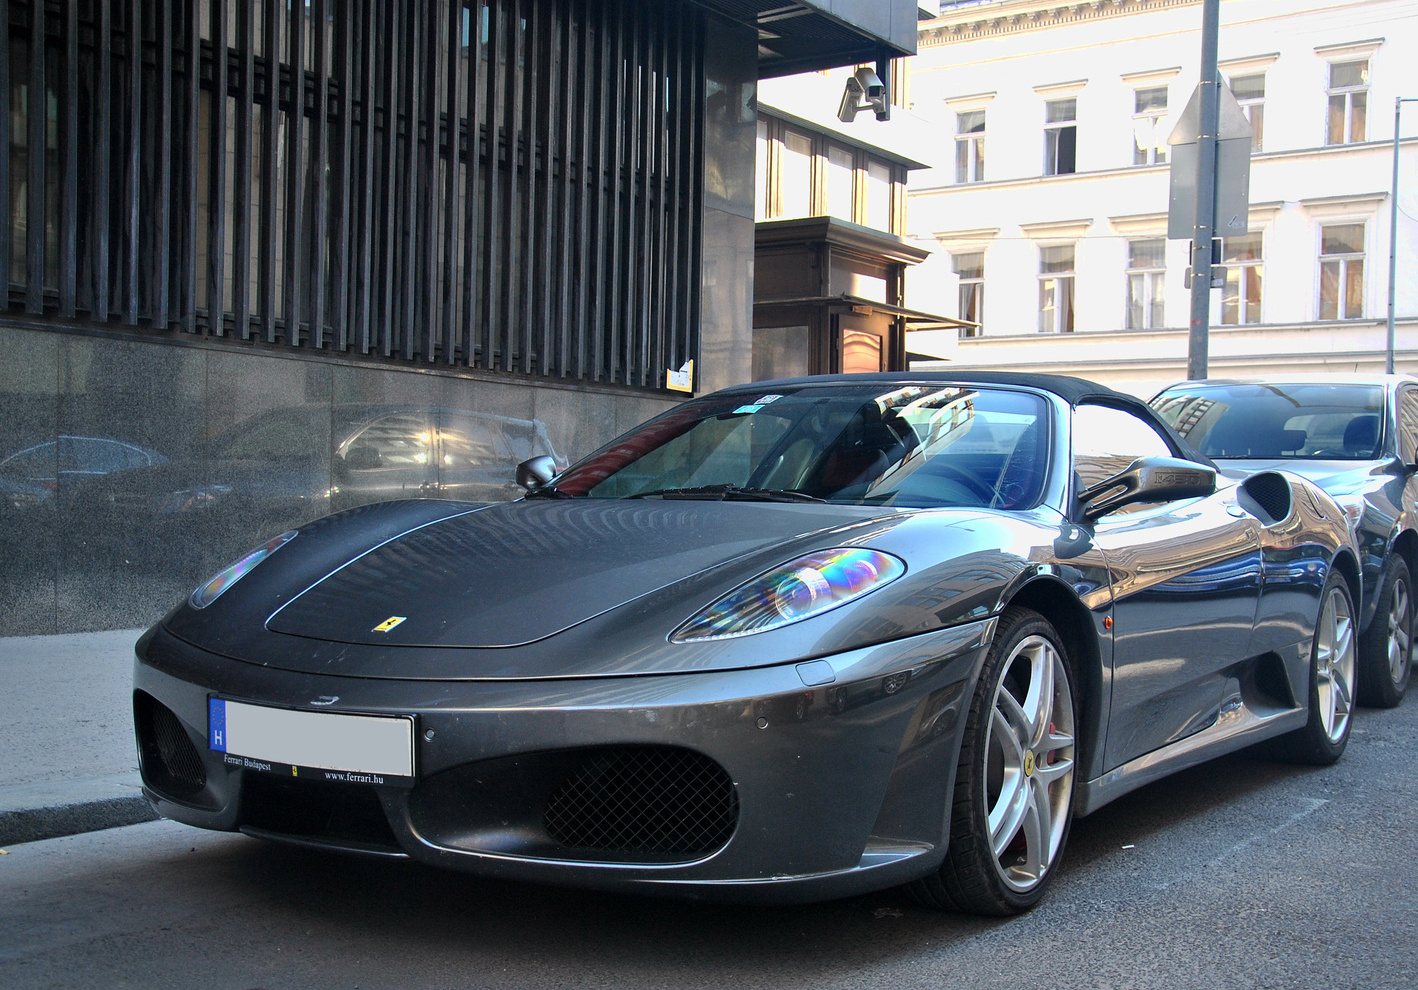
[
  {"x": 726, "y": 280},
  {"x": 132, "y": 469}
]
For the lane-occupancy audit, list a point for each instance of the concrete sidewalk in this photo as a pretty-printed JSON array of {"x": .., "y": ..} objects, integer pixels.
[{"x": 68, "y": 762}]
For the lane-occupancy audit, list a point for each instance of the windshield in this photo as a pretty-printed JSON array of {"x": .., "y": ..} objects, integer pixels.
[
  {"x": 915, "y": 446},
  {"x": 1321, "y": 422}
]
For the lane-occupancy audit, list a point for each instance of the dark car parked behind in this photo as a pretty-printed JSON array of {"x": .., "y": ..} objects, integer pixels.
[{"x": 1357, "y": 438}]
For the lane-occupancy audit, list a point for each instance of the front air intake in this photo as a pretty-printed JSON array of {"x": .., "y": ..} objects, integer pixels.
[
  {"x": 171, "y": 763},
  {"x": 644, "y": 800},
  {"x": 1266, "y": 496}
]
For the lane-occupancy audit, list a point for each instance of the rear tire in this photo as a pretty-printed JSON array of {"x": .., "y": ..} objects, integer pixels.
[
  {"x": 1333, "y": 651},
  {"x": 1386, "y": 648},
  {"x": 1013, "y": 801}
]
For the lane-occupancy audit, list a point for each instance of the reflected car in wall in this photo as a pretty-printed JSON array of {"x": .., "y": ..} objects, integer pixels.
[
  {"x": 36, "y": 479},
  {"x": 287, "y": 466},
  {"x": 1355, "y": 437},
  {"x": 788, "y": 641}
]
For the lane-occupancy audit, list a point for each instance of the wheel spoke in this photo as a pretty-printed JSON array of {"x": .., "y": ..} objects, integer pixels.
[
  {"x": 1039, "y": 828},
  {"x": 1008, "y": 813},
  {"x": 1009, "y": 806},
  {"x": 1327, "y": 695},
  {"x": 1039, "y": 700},
  {"x": 1339, "y": 688},
  {"x": 1009, "y": 710},
  {"x": 1050, "y": 772}
]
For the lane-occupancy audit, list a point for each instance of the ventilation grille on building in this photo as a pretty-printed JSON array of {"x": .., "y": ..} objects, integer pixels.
[
  {"x": 645, "y": 799},
  {"x": 171, "y": 763}
]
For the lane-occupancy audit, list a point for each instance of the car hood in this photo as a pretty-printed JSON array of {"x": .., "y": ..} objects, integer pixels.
[
  {"x": 1332, "y": 476},
  {"x": 514, "y": 573}
]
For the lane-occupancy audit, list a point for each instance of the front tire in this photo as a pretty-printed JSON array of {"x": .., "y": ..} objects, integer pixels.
[
  {"x": 1013, "y": 801},
  {"x": 1333, "y": 658},
  {"x": 1386, "y": 648}
]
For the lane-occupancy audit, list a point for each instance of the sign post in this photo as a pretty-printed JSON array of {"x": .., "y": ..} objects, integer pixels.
[{"x": 1210, "y": 168}]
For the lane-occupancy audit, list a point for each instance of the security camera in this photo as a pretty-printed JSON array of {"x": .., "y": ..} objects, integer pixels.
[
  {"x": 870, "y": 84},
  {"x": 864, "y": 91},
  {"x": 847, "y": 109}
]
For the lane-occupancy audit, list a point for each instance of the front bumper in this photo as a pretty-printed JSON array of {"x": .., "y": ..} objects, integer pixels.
[{"x": 837, "y": 787}]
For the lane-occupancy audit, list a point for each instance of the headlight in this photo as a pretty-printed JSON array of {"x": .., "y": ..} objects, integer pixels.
[
  {"x": 212, "y": 590},
  {"x": 802, "y": 588}
]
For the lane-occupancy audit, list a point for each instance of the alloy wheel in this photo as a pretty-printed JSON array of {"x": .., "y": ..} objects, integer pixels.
[
  {"x": 1400, "y": 631},
  {"x": 1334, "y": 664},
  {"x": 1029, "y": 763}
]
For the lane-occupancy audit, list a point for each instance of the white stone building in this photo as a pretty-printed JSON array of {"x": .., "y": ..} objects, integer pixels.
[{"x": 1049, "y": 189}]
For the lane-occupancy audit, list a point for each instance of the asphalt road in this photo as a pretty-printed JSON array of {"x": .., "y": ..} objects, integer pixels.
[{"x": 1240, "y": 873}]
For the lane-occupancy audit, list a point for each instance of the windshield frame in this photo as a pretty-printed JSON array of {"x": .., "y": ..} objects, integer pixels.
[{"x": 1017, "y": 470}]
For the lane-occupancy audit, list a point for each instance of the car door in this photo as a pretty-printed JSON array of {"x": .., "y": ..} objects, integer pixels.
[{"x": 1185, "y": 579}]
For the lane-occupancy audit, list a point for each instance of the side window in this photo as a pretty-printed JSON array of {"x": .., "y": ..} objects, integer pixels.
[
  {"x": 399, "y": 441},
  {"x": 1408, "y": 425},
  {"x": 473, "y": 444},
  {"x": 1107, "y": 440}
]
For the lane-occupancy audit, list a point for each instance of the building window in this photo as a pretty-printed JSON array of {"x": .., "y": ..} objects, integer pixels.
[
  {"x": 1147, "y": 271},
  {"x": 760, "y": 173},
  {"x": 1249, "y": 92},
  {"x": 1149, "y": 139},
  {"x": 970, "y": 266},
  {"x": 802, "y": 173},
  {"x": 877, "y": 212},
  {"x": 1060, "y": 136},
  {"x": 1348, "y": 102},
  {"x": 1056, "y": 289},
  {"x": 1240, "y": 300},
  {"x": 1342, "y": 271},
  {"x": 970, "y": 146},
  {"x": 795, "y": 176},
  {"x": 840, "y": 175}
]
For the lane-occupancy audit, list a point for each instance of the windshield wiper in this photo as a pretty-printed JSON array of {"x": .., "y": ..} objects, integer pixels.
[{"x": 730, "y": 493}]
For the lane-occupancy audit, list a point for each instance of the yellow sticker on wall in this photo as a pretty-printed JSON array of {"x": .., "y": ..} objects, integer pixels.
[{"x": 390, "y": 623}]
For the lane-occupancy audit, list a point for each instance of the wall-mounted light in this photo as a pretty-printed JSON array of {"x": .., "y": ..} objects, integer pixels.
[{"x": 864, "y": 91}]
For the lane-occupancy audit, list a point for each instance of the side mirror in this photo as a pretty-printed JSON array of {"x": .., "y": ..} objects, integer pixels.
[
  {"x": 535, "y": 472},
  {"x": 1148, "y": 479}
]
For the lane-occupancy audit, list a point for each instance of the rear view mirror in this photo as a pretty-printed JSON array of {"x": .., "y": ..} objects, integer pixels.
[
  {"x": 536, "y": 471},
  {"x": 1148, "y": 479}
]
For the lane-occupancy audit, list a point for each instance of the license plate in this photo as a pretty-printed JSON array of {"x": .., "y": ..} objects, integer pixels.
[{"x": 359, "y": 749}]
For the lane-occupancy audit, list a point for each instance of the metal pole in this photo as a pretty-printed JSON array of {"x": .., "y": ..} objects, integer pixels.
[
  {"x": 1393, "y": 225},
  {"x": 1210, "y": 95}
]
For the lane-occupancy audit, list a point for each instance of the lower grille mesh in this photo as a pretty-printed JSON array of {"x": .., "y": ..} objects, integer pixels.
[
  {"x": 645, "y": 799},
  {"x": 171, "y": 762}
]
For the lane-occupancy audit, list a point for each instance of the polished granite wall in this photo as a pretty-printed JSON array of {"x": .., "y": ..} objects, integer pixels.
[
  {"x": 726, "y": 275},
  {"x": 191, "y": 455}
]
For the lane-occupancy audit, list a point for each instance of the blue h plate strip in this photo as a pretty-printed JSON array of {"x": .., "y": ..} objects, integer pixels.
[{"x": 216, "y": 724}]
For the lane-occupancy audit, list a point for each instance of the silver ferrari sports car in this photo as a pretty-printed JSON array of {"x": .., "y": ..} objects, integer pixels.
[{"x": 791, "y": 640}]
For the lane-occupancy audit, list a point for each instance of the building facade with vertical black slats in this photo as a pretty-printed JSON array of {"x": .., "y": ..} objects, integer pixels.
[{"x": 268, "y": 260}]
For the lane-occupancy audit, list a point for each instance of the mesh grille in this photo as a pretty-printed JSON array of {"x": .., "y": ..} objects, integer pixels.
[
  {"x": 171, "y": 762},
  {"x": 1272, "y": 494},
  {"x": 645, "y": 799}
]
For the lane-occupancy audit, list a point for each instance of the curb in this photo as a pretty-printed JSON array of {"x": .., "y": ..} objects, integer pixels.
[{"x": 32, "y": 812}]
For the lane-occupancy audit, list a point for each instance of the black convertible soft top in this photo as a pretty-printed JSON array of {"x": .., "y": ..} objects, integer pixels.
[{"x": 1074, "y": 391}]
